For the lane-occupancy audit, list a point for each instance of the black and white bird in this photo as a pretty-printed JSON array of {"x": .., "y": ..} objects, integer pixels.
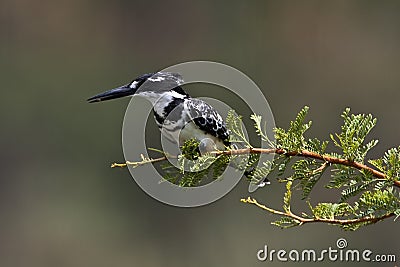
[{"x": 178, "y": 116}]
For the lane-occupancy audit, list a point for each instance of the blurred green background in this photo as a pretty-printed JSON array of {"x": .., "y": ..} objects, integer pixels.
[{"x": 60, "y": 202}]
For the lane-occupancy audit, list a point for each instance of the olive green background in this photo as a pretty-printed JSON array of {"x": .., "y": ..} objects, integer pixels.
[{"x": 60, "y": 202}]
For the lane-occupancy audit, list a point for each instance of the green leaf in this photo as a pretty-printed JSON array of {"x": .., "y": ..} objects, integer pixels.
[
  {"x": 258, "y": 174},
  {"x": 397, "y": 213},
  {"x": 391, "y": 163},
  {"x": 235, "y": 126},
  {"x": 341, "y": 176},
  {"x": 283, "y": 164},
  {"x": 293, "y": 139},
  {"x": 378, "y": 202},
  {"x": 355, "y": 189},
  {"x": 332, "y": 210},
  {"x": 261, "y": 131},
  {"x": 309, "y": 172},
  {"x": 315, "y": 145},
  {"x": 286, "y": 222},
  {"x": 354, "y": 132},
  {"x": 287, "y": 197}
]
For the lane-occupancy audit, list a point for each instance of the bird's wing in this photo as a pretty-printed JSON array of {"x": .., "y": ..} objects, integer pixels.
[{"x": 207, "y": 119}]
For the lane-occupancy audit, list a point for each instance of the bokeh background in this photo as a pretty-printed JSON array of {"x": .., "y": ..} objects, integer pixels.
[{"x": 60, "y": 202}]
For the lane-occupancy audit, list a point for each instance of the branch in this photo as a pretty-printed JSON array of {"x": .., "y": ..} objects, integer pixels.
[
  {"x": 380, "y": 202},
  {"x": 306, "y": 154},
  {"x": 309, "y": 154},
  {"x": 279, "y": 151},
  {"x": 144, "y": 161},
  {"x": 303, "y": 220}
]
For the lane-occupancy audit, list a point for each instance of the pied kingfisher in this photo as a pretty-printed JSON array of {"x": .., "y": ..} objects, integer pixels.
[{"x": 178, "y": 116}]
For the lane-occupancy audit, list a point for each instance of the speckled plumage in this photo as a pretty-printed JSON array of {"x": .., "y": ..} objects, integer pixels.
[{"x": 180, "y": 119}]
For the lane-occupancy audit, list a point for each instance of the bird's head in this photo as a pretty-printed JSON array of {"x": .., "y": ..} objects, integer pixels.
[{"x": 146, "y": 84}]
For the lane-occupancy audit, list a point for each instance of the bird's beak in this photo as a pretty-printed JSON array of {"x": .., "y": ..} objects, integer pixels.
[{"x": 113, "y": 94}]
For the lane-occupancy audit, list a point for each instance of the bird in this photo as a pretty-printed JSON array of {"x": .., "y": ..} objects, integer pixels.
[{"x": 178, "y": 116}]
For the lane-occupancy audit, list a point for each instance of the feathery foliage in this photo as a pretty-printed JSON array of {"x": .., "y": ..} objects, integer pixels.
[
  {"x": 352, "y": 138},
  {"x": 293, "y": 139},
  {"x": 365, "y": 194},
  {"x": 372, "y": 198}
]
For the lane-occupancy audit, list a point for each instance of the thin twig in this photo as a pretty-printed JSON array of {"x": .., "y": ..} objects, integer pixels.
[
  {"x": 144, "y": 161},
  {"x": 303, "y": 220},
  {"x": 309, "y": 154}
]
